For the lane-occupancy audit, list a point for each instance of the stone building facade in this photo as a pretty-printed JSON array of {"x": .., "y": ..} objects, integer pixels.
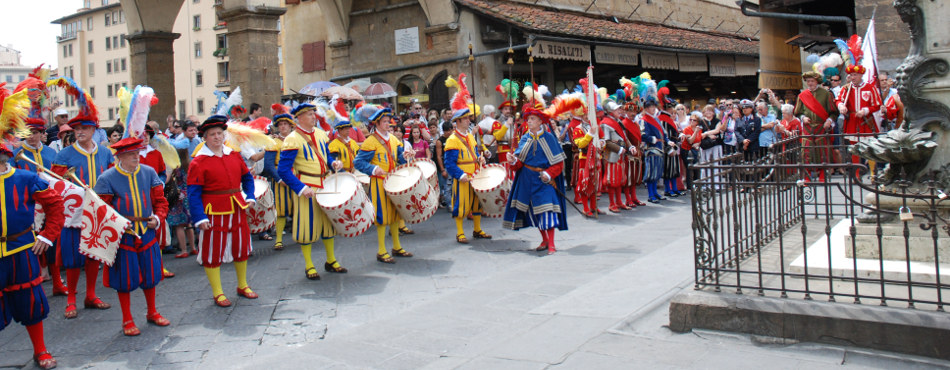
[{"x": 893, "y": 35}]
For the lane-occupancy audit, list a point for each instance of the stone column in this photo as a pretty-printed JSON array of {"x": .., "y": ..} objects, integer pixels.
[
  {"x": 252, "y": 45},
  {"x": 153, "y": 64}
]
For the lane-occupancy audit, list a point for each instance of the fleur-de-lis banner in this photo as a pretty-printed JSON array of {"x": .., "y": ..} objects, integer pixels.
[
  {"x": 72, "y": 202},
  {"x": 102, "y": 229}
]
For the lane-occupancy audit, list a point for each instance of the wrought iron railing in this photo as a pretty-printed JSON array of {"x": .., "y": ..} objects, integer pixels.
[{"x": 788, "y": 223}]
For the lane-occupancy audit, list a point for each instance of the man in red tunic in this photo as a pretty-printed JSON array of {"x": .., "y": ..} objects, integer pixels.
[{"x": 634, "y": 155}]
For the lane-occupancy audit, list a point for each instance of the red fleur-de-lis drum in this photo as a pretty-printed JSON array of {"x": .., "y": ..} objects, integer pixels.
[
  {"x": 346, "y": 205},
  {"x": 412, "y": 195},
  {"x": 491, "y": 186},
  {"x": 262, "y": 216}
]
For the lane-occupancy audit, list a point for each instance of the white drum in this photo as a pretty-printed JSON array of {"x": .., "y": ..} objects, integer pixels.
[
  {"x": 491, "y": 186},
  {"x": 429, "y": 170},
  {"x": 411, "y": 194},
  {"x": 262, "y": 216},
  {"x": 348, "y": 208},
  {"x": 363, "y": 179}
]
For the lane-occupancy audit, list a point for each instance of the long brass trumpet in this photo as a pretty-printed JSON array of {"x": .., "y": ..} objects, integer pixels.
[{"x": 70, "y": 173}]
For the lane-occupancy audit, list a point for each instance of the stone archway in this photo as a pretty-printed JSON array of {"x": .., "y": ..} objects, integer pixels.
[
  {"x": 438, "y": 93},
  {"x": 411, "y": 87}
]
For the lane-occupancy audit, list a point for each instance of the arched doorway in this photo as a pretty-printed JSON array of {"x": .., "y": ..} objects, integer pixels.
[
  {"x": 409, "y": 88},
  {"x": 438, "y": 93}
]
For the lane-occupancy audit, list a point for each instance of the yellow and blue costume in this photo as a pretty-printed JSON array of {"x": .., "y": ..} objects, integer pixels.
[
  {"x": 283, "y": 197},
  {"x": 461, "y": 159}
]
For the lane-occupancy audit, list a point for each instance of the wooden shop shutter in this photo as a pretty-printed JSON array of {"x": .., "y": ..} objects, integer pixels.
[
  {"x": 314, "y": 56},
  {"x": 292, "y": 2}
]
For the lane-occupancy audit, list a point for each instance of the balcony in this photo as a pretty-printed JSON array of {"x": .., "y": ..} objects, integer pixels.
[
  {"x": 66, "y": 37},
  {"x": 220, "y": 26},
  {"x": 221, "y": 53}
]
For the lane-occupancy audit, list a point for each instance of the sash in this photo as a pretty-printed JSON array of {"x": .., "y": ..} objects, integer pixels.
[
  {"x": 468, "y": 149},
  {"x": 312, "y": 142},
  {"x": 650, "y": 120},
  {"x": 615, "y": 126},
  {"x": 813, "y": 105},
  {"x": 390, "y": 156},
  {"x": 632, "y": 135},
  {"x": 668, "y": 119}
]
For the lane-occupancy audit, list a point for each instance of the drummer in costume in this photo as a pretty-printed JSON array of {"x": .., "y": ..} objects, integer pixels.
[
  {"x": 21, "y": 292},
  {"x": 89, "y": 161},
  {"x": 653, "y": 138},
  {"x": 304, "y": 162},
  {"x": 538, "y": 162},
  {"x": 462, "y": 159},
  {"x": 283, "y": 197},
  {"x": 615, "y": 142},
  {"x": 343, "y": 148},
  {"x": 857, "y": 100},
  {"x": 138, "y": 194},
  {"x": 503, "y": 128},
  {"x": 216, "y": 177},
  {"x": 378, "y": 156}
]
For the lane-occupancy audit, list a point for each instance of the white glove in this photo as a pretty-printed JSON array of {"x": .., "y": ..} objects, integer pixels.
[
  {"x": 545, "y": 177},
  {"x": 654, "y": 140},
  {"x": 621, "y": 151}
]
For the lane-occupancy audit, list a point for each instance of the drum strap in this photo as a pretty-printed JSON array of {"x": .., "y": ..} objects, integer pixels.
[
  {"x": 222, "y": 192},
  {"x": 468, "y": 149},
  {"x": 7, "y": 238}
]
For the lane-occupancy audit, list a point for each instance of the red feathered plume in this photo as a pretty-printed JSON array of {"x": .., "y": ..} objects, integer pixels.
[
  {"x": 462, "y": 97},
  {"x": 565, "y": 103},
  {"x": 259, "y": 124},
  {"x": 854, "y": 44},
  {"x": 154, "y": 100},
  {"x": 36, "y": 72},
  {"x": 278, "y": 108},
  {"x": 661, "y": 95}
]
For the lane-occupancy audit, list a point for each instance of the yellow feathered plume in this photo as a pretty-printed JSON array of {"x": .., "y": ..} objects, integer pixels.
[
  {"x": 169, "y": 153},
  {"x": 646, "y": 76},
  {"x": 239, "y": 135},
  {"x": 450, "y": 82},
  {"x": 13, "y": 115},
  {"x": 125, "y": 100}
]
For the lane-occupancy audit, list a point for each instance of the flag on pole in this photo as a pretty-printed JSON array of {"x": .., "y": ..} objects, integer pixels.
[
  {"x": 72, "y": 202},
  {"x": 869, "y": 48},
  {"x": 102, "y": 229}
]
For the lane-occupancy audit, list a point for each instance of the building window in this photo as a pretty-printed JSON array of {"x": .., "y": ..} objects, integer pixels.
[
  {"x": 121, "y": 16},
  {"x": 195, "y": 1},
  {"x": 115, "y": 18},
  {"x": 70, "y": 49},
  {"x": 92, "y": 70},
  {"x": 108, "y": 69},
  {"x": 222, "y": 41},
  {"x": 223, "y": 76},
  {"x": 9, "y": 79},
  {"x": 115, "y": 42},
  {"x": 89, "y": 47},
  {"x": 105, "y": 2},
  {"x": 197, "y": 50},
  {"x": 122, "y": 39},
  {"x": 65, "y": 52},
  {"x": 200, "y": 106},
  {"x": 123, "y": 64},
  {"x": 71, "y": 72},
  {"x": 109, "y": 91},
  {"x": 199, "y": 78},
  {"x": 181, "y": 109},
  {"x": 280, "y": 55},
  {"x": 108, "y": 43},
  {"x": 87, "y": 4},
  {"x": 108, "y": 19},
  {"x": 111, "y": 114},
  {"x": 125, "y": 84},
  {"x": 92, "y": 91},
  {"x": 89, "y": 23},
  {"x": 313, "y": 56},
  {"x": 115, "y": 65},
  {"x": 196, "y": 20}
]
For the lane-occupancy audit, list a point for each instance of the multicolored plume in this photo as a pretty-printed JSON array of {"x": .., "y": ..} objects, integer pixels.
[
  {"x": 140, "y": 103},
  {"x": 40, "y": 73},
  {"x": 229, "y": 105},
  {"x": 362, "y": 113},
  {"x": 647, "y": 88},
  {"x": 278, "y": 108},
  {"x": 565, "y": 103},
  {"x": 508, "y": 89},
  {"x": 462, "y": 97},
  {"x": 240, "y": 135},
  {"x": 629, "y": 88},
  {"x": 14, "y": 109},
  {"x": 87, "y": 109},
  {"x": 337, "y": 116},
  {"x": 535, "y": 95},
  {"x": 851, "y": 54}
]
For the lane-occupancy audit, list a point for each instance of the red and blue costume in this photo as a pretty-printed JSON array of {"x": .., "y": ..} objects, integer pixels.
[{"x": 21, "y": 295}]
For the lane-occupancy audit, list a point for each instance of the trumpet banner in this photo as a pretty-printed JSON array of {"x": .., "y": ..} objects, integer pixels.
[{"x": 102, "y": 229}]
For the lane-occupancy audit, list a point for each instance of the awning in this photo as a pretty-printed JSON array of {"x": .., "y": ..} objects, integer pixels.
[
  {"x": 747, "y": 66},
  {"x": 692, "y": 62},
  {"x": 659, "y": 60},
  {"x": 615, "y": 55},
  {"x": 722, "y": 66},
  {"x": 562, "y": 50}
]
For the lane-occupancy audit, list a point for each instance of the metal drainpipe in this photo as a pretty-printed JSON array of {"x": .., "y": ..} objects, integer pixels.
[{"x": 743, "y": 5}]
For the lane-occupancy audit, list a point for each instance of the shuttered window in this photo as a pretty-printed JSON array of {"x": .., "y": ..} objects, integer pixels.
[{"x": 314, "y": 56}]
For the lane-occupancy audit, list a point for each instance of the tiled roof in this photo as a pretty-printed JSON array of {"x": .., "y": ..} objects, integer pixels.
[{"x": 544, "y": 21}]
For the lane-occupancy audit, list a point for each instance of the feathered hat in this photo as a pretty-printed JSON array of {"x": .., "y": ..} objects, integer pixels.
[
  {"x": 663, "y": 94},
  {"x": 282, "y": 114},
  {"x": 370, "y": 114},
  {"x": 35, "y": 86},
  {"x": 851, "y": 54},
  {"x": 509, "y": 92},
  {"x": 14, "y": 108},
  {"x": 133, "y": 109},
  {"x": 630, "y": 92},
  {"x": 336, "y": 114},
  {"x": 229, "y": 105},
  {"x": 535, "y": 95},
  {"x": 128, "y": 144},
  {"x": 646, "y": 90},
  {"x": 216, "y": 120},
  {"x": 462, "y": 98},
  {"x": 88, "y": 114}
]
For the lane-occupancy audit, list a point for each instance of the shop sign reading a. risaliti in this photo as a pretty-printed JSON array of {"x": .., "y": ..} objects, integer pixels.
[
  {"x": 561, "y": 50},
  {"x": 615, "y": 55},
  {"x": 658, "y": 60}
]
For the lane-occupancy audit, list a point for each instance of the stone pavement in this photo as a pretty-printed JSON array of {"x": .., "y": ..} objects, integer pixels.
[{"x": 601, "y": 302}]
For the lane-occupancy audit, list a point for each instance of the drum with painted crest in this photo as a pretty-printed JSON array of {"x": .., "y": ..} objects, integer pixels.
[
  {"x": 346, "y": 205},
  {"x": 491, "y": 186},
  {"x": 262, "y": 216},
  {"x": 411, "y": 193}
]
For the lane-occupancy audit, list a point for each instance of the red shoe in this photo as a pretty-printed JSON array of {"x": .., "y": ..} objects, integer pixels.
[
  {"x": 71, "y": 312},
  {"x": 158, "y": 320},
  {"x": 246, "y": 292},
  {"x": 44, "y": 360},
  {"x": 167, "y": 274},
  {"x": 96, "y": 303},
  {"x": 614, "y": 209},
  {"x": 222, "y": 301},
  {"x": 194, "y": 252},
  {"x": 184, "y": 254},
  {"x": 57, "y": 291},
  {"x": 130, "y": 330}
]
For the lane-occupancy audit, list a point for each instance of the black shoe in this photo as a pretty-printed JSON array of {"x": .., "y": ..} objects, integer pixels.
[
  {"x": 669, "y": 195},
  {"x": 653, "y": 200}
]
